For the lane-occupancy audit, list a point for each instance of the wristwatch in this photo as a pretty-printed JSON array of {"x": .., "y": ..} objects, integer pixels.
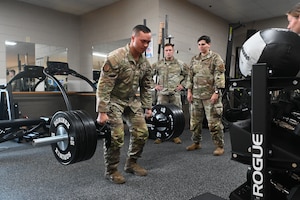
[{"x": 216, "y": 91}]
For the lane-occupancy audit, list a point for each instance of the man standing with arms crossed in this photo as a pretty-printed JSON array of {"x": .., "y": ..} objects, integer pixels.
[
  {"x": 171, "y": 75},
  {"x": 126, "y": 73}
]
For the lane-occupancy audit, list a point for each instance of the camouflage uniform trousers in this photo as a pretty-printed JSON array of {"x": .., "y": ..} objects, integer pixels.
[
  {"x": 138, "y": 136},
  {"x": 213, "y": 114},
  {"x": 172, "y": 98}
]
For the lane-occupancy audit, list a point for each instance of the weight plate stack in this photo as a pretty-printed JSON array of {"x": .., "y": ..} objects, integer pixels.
[
  {"x": 167, "y": 122},
  {"x": 68, "y": 151},
  {"x": 80, "y": 133},
  {"x": 90, "y": 134}
]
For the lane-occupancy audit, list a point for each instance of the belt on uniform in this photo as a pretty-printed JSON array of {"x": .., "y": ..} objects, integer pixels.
[{"x": 168, "y": 94}]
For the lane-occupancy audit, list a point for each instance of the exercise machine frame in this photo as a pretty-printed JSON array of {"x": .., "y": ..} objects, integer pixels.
[
  {"x": 265, "y": 154},
  {"x": 14, "y": 127}
]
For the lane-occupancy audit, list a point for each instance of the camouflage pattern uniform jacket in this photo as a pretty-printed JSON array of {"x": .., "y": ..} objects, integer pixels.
[
  {"x": 206, "y": 75},
  {"x": 170, "y": 74},
  {"x": 121, "y": 79}
]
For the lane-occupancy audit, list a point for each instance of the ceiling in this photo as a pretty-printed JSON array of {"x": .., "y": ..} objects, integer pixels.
[
  {"x": 243, "y": 11},
  {"x": 232, "y": 11},
  {"x": 76, "y": 7}
]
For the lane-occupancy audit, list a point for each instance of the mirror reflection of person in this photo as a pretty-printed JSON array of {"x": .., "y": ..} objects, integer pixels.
[{"x": 11, "y": 75}]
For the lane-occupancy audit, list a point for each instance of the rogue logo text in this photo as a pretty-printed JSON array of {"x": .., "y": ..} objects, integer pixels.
[{"x": 257, "y": 165}]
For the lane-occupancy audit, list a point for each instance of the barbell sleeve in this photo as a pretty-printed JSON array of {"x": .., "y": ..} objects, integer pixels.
[{"x": 49, "y": 140}]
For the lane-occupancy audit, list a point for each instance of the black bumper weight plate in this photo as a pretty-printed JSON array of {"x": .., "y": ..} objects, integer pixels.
[
  {"x": 66, "y": 152},
  {"x": 90, "y": 134},
  {"x": 167, "y": 122},
  {"x": 179, "y": 120},
  {"x": 80, "y": 133}
]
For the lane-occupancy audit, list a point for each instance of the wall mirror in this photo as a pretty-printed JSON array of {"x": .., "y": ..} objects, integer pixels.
[
  {"x": 20, "y": 54},
  {"x": 101, "y": 50}
]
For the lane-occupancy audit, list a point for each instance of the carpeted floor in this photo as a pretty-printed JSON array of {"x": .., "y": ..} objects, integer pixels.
[
  {"x": 32, "y": 173},
  {"x": 207, "y": 196}
]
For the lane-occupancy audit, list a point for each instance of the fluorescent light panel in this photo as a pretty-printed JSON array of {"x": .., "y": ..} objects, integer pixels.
[
  {"x": 99, "y": 54},
  {"x": 10, "y": 43}
]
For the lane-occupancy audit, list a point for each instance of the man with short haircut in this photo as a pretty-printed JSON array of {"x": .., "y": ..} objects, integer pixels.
[
  {"x": 205, "y": 81},
  {"x": 124, "y": 94},
  {"x": 171, "y": 75}
]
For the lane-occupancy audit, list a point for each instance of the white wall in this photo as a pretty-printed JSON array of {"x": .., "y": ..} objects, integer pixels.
[
  {"x": 115, "y": 22},
  {"x": 27, "y": 23},
  {"x": 186, "y": 22}
]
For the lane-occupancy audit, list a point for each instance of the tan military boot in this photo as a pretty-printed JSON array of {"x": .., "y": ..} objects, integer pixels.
[
  {"x": 115, "y": 177},
  {"x": 193, "y": 147},
  {"x": 219, "y": 151},
  {"x": 157, "y": 141},
  {"x": 132, "y": 167},
  {"x": 177, "y": 140}
]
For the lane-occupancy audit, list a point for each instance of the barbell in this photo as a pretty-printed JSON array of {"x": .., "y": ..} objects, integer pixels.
[{"x": 74, "y": 134}]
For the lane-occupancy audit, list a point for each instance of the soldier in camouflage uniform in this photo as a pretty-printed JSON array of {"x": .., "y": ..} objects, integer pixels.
[
  {"x": 126, "y": 73},
  {"x": 206, "y": 78},
  {"x": 171, "y": 76}
]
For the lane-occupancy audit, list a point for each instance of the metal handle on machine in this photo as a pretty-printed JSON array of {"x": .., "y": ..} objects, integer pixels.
[
  {"x": 49, "y": 140},
  {"x": 61, "y": 88}
]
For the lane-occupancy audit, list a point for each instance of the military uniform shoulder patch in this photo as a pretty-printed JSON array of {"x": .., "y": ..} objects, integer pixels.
[{"x": 106, "y": 67}]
